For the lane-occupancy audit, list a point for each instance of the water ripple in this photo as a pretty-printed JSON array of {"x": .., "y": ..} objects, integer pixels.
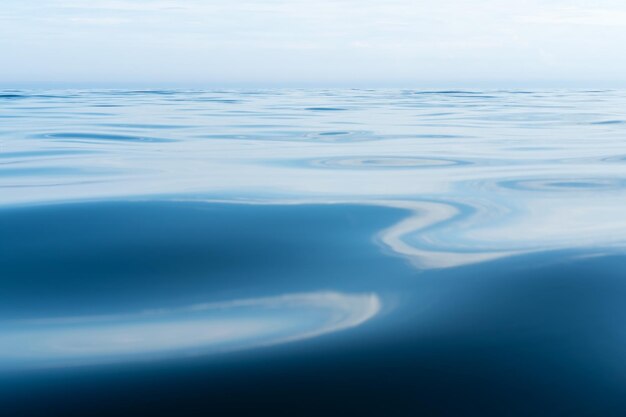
[
  {"x": 381, "y": 162},
  {"x": 11, "y": 96},
  {"x": 565, "y": 184},
  {"x": 610, "y": 122},
  {"x": 325, "y": 109},
  {"x": 102, "y": 137}
]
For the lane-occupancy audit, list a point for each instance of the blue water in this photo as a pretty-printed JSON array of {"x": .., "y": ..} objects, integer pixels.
[{"x": 313, "y": 252}]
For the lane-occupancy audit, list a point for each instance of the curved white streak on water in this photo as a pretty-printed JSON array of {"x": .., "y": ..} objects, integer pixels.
[
  {"x": 409, "y": 237},
  {"x": 428, "y": 236},
  {"x": 444, "y": 234},
  {"x": 194, "y": 330},
  {"x": 441, "y": 235}
]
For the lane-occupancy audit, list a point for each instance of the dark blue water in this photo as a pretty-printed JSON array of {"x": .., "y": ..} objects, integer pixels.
[{"x": 292, "y": 252}]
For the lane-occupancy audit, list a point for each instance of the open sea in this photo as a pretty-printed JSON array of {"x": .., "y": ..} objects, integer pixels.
[{"x": 313, "y": 252}]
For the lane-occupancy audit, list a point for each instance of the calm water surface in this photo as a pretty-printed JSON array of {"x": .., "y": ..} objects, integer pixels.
[{"x": 327, "y": 252}]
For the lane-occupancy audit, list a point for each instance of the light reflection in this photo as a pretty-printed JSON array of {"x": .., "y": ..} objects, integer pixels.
[
  {"x": 437, "y": 234},
  {"x": 194, "y": 330}
]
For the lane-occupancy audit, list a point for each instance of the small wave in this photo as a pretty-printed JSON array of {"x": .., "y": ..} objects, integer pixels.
[
  {"x": 49, "y": 172},
  {"x": 457, "y": 93},
  {"x": 103, "y": 137},
  {"x": 609, "y": 122},
  {"x": 335, "y": 133},
  {"x": 436, "y": 136},
  {"x": 43, "y": 153},
  {"x": 384, "y": 162},
  {"x": 11, "y": 96},
  {"x": 326, "y": 109},
  {"x": 154, "y": 92},
  {"x": 298, "y": 136},
  {"x": 144, "y": 92},
  {"x": 341, "y": 136},
  {"x": 144, "y": 126},
  {"x": 564, "y": 184},
  {"x": 220, "y": 100},
  {"x": 107, "y": 105},
  {"x": 615, "y": 158}
]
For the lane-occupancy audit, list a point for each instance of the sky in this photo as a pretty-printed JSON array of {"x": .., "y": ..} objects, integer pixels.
[{"x": 350, "y": 43}]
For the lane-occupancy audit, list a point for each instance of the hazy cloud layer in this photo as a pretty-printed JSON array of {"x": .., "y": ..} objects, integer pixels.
[{"x": 325, "y": 42}]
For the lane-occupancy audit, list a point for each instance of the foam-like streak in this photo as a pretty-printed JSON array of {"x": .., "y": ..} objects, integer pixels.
[
  {"x": 193, "y": 330},
  {"x": 419, "y": 238}
]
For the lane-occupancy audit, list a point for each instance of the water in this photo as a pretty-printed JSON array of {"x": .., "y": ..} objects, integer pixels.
[{"x": 332, "y": 252}]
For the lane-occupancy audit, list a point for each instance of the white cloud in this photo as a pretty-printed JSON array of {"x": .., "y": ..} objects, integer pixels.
[
  {"x": 578, "y": 16},
  {"x": 274, "y": 41}
]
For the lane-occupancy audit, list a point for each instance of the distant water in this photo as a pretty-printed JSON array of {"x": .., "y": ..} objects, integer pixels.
[{"x": 300, "y": 252}]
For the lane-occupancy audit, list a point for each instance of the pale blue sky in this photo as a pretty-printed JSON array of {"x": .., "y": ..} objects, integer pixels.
[{"x": 413, "y": 43}]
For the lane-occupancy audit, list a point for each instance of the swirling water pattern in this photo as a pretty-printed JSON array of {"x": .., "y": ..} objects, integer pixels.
[{"x": 467, "y": 238}]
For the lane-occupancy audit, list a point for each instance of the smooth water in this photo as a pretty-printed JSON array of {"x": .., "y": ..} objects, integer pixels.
[{"x": 329, "y": 252}]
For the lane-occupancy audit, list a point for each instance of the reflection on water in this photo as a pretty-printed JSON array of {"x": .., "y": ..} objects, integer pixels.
[
  {"x": 385, "y": 252},
  {"x": 201, "y": 328}
]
